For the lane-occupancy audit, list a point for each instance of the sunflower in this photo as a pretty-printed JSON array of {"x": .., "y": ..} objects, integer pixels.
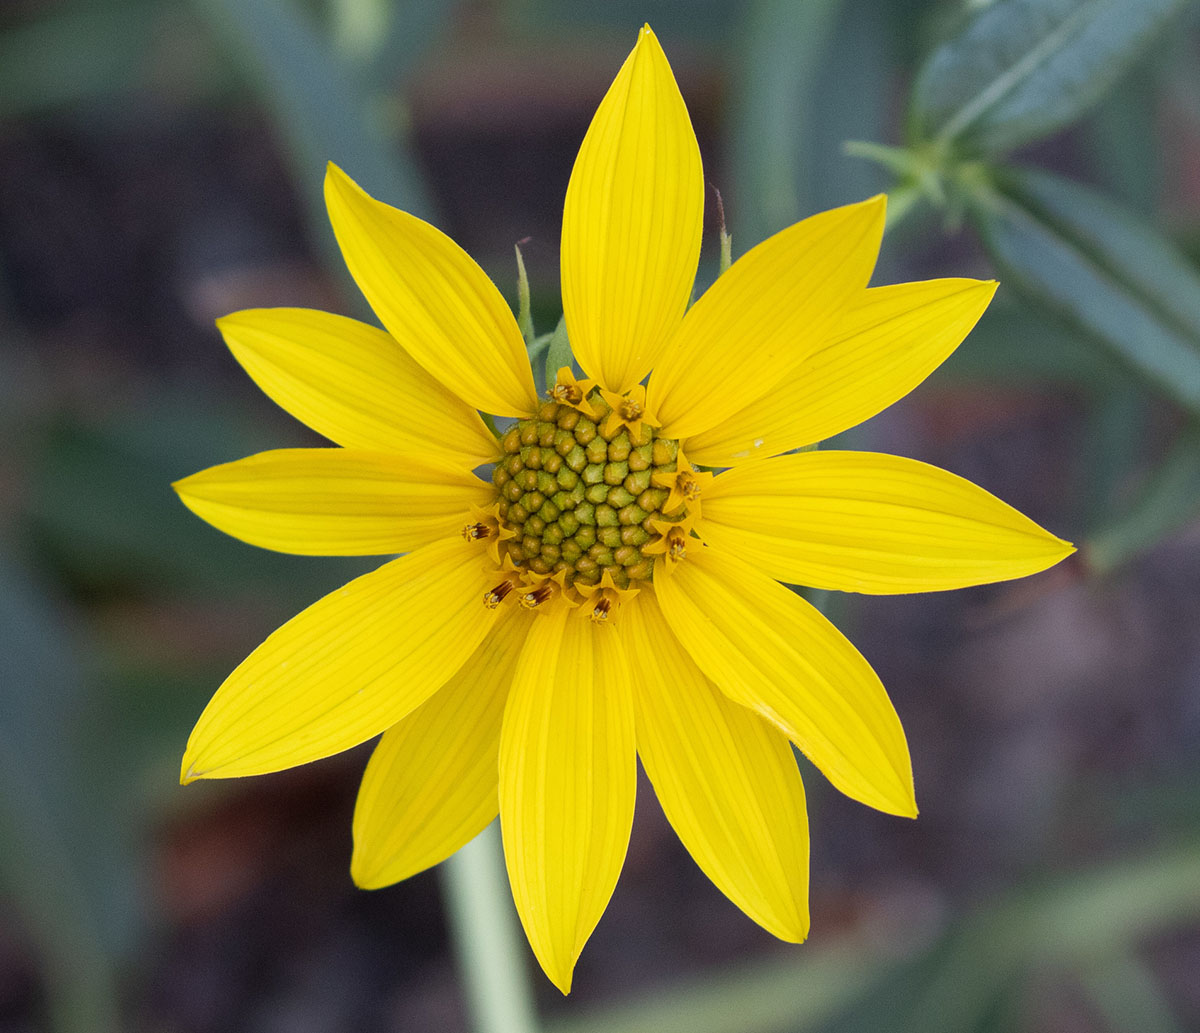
[{"x": 600, "y": 594}]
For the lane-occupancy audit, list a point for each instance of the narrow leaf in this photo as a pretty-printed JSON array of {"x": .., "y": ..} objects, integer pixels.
[
  {"x": 319, "y": 104},
  {"x": 1118, "y": 241},
  {"x": 65, "y": 859},
  {"x": 1091, "y": 289},
  {"x": 1024, "y": 68},
  {"x": 558, "y": 354}
]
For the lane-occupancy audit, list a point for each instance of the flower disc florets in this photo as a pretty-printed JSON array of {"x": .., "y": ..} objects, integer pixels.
[{"x": 585, "y": 495}]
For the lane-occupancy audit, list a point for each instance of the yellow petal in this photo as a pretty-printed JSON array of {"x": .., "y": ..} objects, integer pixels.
[
  {"x": 889, "y": 342},
  {"x": 764, "y": 316},
  {"x": 727, "y": 780},
  {"x": 430, "y": 786},
  {"x": 433, "y": 299},
  {"x": 868, "y": 522},
  {"x": 335, "y": 501},
  {"x": 348, "y": 667},
  {"x": 769, "y": 650},
  {"x": 632, "y": 222},
  {"x": 567, "y": 782},
  {"x": 354, "y": 384}
]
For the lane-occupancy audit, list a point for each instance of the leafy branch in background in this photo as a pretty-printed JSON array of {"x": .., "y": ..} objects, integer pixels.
[{"x": 1018, "y": 71}]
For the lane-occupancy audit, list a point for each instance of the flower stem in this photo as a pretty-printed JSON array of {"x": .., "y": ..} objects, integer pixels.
[{"x": 487, "y": 938}]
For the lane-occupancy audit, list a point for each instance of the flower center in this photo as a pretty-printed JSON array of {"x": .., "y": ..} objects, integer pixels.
[{"x": 579, "y": 494}]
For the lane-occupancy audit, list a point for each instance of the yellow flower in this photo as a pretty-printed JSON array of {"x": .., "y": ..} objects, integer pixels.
[{"x": 602, "y": 597}]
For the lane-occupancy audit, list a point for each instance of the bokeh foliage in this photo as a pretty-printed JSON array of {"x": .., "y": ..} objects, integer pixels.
[{"x": 1100, "y": 302}]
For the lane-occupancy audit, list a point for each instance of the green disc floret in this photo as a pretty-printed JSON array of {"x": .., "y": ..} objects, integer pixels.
[{"x": 581, "y": 500}]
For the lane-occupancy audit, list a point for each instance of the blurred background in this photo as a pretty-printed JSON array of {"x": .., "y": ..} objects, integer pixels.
[{"x": 161, "y": 164}]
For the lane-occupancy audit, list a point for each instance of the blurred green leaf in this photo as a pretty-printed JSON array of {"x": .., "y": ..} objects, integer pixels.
[
  {"x": 67, "y": 57},
  {"x": 808, "y": 76},
  {"x": 411, "y": 28},
  {"x": 705, "y": 19},
  {"x": 360, "y": 26},
  {"x": 1104, "y": 274},
  {"x": 965, "y": 982},
  {"x": 798, "y": 992},
  {"x": 1073, "y": 923},
  {"x": 1169, "y": 499},
  {"x": 1116, "y": 433},
  {"x": 558, "y": 353},
  {"x": 775, "y": 98},
  {"x": 1118, "y": 242},
  {"x": 101, "y": 505},
  {"x": 1122, "y": 139},
  {"x": 1021, "y": 69},
  {"x": 321, "y": 107},
  {"x": 64, "y": 854},
  {"x": 1016, "y": 342},
  {"x": 1128, "y": 997}
]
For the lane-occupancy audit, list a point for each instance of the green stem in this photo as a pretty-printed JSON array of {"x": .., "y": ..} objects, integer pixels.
[
  {"x": 899, "y": 160},
  {"x": 902, "y": 200},
  {"x": 487, "y": 938}
]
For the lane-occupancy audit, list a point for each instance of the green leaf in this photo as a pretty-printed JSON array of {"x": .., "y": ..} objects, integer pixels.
[
  {"x": 1126, "y": 993},
  {"x": 134, "y": 533},
  {"x": 1024, "y": 68},
  {"x": 1168, "y": 500},
  {"x": 1118, "y": 241},
  {"x": 1072, "y": 922},
  {"x": 559, "y": 353},
  {"x": 1020, "y": 343},
  {"x": 775, "y": 102},
  {"x": 807, "y": 77},
  {"x": 320, "y": 105},
  {"x": 798, "y": 991},
  {"x": 64, "y": 852},
  {"x": 66, "y": 58},
  {"x": 1075, "y": 267}
]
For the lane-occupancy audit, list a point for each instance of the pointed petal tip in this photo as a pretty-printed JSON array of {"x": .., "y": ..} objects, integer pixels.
[
  {"x": 339, "y": 184},
  {"x": 907, "y": 808},
  {"x": 901, "y": 801},
  {"x": 796, "y": 934},
  {"x": 562, "y": 980},
  {"x": 1063, "y": 549},
  {"x": 239, "y": 318},
  {"x": 364, "y": 876},
  {"x": 897, "y": 798},
  {"x": 187, "y": 771}
]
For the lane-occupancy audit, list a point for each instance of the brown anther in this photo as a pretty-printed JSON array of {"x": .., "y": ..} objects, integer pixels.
[
  {"x": 678, "y": 546},
  {"x": 496, "y": 596},
  {"x": 476, "y": 532},
  {"x": 630, "y": 410},
  {"x": 689, "y": 486},
  {"x": 538, "y": 596},
  {"x": 601, "y": 610}
]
